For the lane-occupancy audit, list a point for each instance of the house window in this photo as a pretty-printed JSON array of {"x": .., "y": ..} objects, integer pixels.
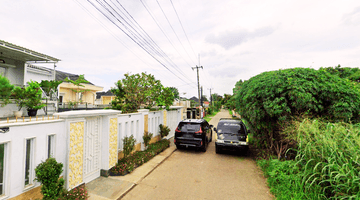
[
  {"x": 2, "y": 168},
  {"x": 29, "y": 146},
  {"x": 51, "y": 146}
]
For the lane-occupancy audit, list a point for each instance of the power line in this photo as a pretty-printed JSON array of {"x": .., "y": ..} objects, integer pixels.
[
  {"x": 154, "y": 18},
  {"x": 183, "y": 28},
  {"x": 141, "y": 35},
  {"x": 173, "y": 30},
  {"x": 127, "y": 34}
]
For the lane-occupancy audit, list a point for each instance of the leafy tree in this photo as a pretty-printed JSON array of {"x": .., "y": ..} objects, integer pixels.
[
  {"x": 166, "y": 98},
  {"x": 175, "y": 91},
  {"x": 137, "y": 90},
  {"x": 78, "y": 82},
  {"x": 269, "y": 100},
  {"x": 5, "y": 90}
]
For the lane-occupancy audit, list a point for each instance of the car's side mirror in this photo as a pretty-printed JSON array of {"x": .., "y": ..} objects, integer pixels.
[
  {"x": 211, "y": 126},
  {"x": 215, "y": 129}
]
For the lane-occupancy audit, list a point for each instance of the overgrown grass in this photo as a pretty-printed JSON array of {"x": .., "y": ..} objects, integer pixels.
[{"x": 327, "y": 165}]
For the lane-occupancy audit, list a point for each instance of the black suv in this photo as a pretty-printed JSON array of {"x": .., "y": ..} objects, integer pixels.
[
  {"x": 193, "y": 133},
  {"x": 231, "y": 135}
]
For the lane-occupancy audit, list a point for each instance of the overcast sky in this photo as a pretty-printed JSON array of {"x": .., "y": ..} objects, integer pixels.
[{"x": 236, "y": 39}]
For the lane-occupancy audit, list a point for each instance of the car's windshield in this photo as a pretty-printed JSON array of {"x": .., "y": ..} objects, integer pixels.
[
  {"x": 188, "y": 127},
  {"x": 229, "y": 127}
]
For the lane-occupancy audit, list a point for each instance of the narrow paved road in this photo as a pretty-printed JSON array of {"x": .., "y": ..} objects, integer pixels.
[{"x": 191, "y": 174}]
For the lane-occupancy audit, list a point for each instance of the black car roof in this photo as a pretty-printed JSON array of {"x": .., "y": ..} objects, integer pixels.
[
  {"x": 194, "y": 120},
  {"x": 230, "y": 120}
]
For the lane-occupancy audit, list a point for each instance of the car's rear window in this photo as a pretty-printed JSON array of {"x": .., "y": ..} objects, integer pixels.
[
  {"x": 229, "y": 127},
  {"x": 188, "y": 127}
]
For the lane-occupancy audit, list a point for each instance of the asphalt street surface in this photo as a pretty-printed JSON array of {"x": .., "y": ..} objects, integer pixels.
[{"x": 192, "y": 174}]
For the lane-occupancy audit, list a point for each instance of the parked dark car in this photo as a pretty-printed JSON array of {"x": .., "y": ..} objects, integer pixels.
[
  {"x": 231, "y": 135},
  {"x": 193, "y": 133}
]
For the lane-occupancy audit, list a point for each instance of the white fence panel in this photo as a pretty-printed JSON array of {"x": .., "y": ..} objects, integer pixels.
[
  {"x": 130, "y": 124},
  {"x": 173, "y": 118}
]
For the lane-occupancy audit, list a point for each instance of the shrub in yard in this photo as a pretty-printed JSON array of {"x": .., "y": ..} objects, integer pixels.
[
  {"x": 129, "y": 144},
  {"x": 164, "y": 130},
  {"x": 147, "y": 137},
  {"x": 48, "y": 173}
]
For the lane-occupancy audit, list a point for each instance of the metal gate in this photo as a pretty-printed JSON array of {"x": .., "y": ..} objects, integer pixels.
[{"x": 92, "y": 151}]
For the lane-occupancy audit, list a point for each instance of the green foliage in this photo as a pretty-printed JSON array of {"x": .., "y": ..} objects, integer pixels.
[
  {"x": 164, "y": 130},
  {"x": 175, "y": 92},
  {"x": 166, "y": 98},
  {"x": 34, "y": 96},
  {"x": 48, "y": 173},
  {"x": 5, "y": 90},
  {"x": 140, "y": 89},
  {"x": 129, "y": 144},
  {"x": 327, "y": 164},
  {"x": 268, "y": 100},
  {"x": 20, "y": 96},
  {"x": 50, "y": 87},
  {"x": 147, "y": 137}
]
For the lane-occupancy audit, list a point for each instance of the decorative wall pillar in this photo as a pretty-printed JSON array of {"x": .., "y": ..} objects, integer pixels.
[
  {"x": 76, "y": 154},
  {"x": 165, "y": 117},
  {"x": 113, "y": 138}
]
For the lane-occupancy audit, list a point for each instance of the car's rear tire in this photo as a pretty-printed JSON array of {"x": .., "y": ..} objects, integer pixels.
[
  {"x": 203, "y": 147},
  {"x": 178, "y": 146}
]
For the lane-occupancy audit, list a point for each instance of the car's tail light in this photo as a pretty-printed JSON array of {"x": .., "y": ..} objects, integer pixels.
[
  {"x": 174, "y": 140},
  {"x": 177, "y": 130},
  {"x": 199, "y": 132}
]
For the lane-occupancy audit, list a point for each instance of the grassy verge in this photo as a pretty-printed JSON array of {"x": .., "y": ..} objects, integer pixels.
[
  {"x": 210, "y": 116},
  {"x": 327, "y": 165}
]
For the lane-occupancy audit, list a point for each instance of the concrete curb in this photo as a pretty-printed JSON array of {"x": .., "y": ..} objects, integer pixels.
[{"x": 131, "y": 179}]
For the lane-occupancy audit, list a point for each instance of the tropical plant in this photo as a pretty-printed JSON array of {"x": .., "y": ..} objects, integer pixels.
[
  {"x": 48, "y": 174},
  {"x": 147, "y": 137},
  {"x": 164, "y": 130},
  {"x": 129, "y": 144},
  {"x": 5, "y": 90},
  {"x": 34, "y": 96}
]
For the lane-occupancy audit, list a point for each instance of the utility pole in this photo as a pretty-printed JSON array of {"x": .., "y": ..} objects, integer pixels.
[
  {"x": 197, "y": 69},
  {"x": 210, "y": 96}
]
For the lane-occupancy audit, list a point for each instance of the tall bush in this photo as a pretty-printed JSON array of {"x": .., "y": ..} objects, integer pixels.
[
  {"x": 48, "y": 173},
  {"x": 269, "y": 100},
  {"x": 129, "y": 144},
  {"x": 5, "y": 90}
]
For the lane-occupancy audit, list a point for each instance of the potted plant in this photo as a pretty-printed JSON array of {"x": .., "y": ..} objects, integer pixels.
[
  {"x": 19, "y": 94},
  {"x": 34, "y": 98}
]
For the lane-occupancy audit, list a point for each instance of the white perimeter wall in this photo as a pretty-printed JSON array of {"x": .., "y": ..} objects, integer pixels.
[{"x": 15, "y": 141}]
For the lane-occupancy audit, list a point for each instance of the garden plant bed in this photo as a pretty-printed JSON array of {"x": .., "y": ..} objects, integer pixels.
[{"x": 128, "y": 164}]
